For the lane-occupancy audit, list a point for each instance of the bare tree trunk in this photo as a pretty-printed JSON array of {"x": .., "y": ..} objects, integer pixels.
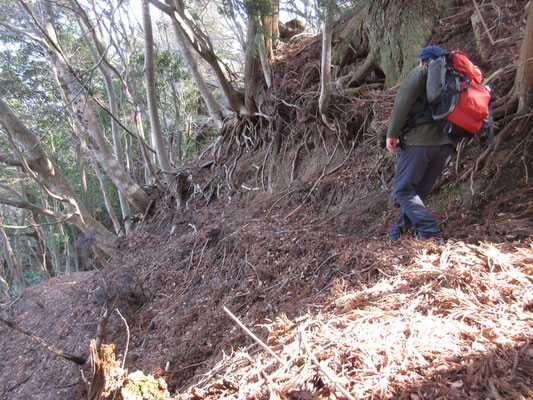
[
  {"x": 274, "y": 31},
  {"x": 389, "y": 37},
  {"x": 265, "y": 60},
  {"x": 14, "y": 266},
  {"x": 252, "y": 67},
  {"x": 270, "y": 23},
  {"x": 524, "y": 73},
  {"x": 117, "y": 145},
  {"x": 150, "y": 175},
  {"x": 325, "y": 71},
  {"x": 4, "y": 288},
  {"x": 113, "y": 106},
  {"x": 107, "y": 200},
  {"x": 66, "y": 245},
  {"x": 50, "y": 243},
  {"x": 34, "y": 257},
  {"x": 18, "y": 234},
  {"x": 83, "y": 176},
  {"x": 57, "y": 265},
  {"x": 178, "y": 132},
  {"x": 79, "y": 261},
  {"x": 18, "y": 242},
  {"x": 216, "y": 111},
  {"x": 40, "y": 253},
  {"x": 149, "y": 78}
]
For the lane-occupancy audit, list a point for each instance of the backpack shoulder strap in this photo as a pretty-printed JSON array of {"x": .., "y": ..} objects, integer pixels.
[
  {"x": 436, "y": 80},
  {"x": 425, "y": 114},
  {"x": 491, "y": 127}
]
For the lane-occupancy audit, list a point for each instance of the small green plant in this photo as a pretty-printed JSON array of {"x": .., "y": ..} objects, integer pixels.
[
  {"x": 182, "y": 356},
  {"x": 301, "y": 360},
  {"x": 446, "y": 195},
  {"x": 487, "y": 165},
  {"x": 146, "y": 387},
  {"x": 449, "y": 191}
]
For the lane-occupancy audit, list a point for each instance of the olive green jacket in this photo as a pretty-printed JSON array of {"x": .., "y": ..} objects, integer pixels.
[{"x": 411, "y": 97}]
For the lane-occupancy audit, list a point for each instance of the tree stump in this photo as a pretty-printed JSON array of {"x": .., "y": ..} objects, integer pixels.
[
  {"x": 111, "y": 382},
  {"x": 108, "y": 375}
]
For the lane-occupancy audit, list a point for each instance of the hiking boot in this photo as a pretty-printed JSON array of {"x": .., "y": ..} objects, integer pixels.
[
  {"x": 393, "y": 236},
  {"x": 434, "y": 239},
  {"x": 395, "y": 232}
]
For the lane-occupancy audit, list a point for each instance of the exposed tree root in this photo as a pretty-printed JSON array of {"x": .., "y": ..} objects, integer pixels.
[{"x": 364, "y": 70}]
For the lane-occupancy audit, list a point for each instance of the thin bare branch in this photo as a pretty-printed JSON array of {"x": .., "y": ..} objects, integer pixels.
[
  {"x": 33, "y": 208},
  {"x": 67, "y": 356},
  {"x": 23, "y": 32},
  {"x": 10, "y": 161},
  {"x": 483, "y": 22},
  {"x": 249, "y": 333},
  {"x": 327, "y": 373}
]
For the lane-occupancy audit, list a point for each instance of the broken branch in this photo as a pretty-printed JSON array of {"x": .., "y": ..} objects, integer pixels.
[
  {"x": 249, "y": 333},
  {"x": 65, "y": 355},
  {"x": 328, "y": 375},
  {"x": 483, "y": 22}
]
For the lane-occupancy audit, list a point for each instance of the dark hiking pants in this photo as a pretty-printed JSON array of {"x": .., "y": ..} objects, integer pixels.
[{"x": 416, "y": 172}]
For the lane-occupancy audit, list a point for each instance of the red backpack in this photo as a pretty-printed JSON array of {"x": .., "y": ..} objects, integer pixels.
[{"x": 459, "y": 103}]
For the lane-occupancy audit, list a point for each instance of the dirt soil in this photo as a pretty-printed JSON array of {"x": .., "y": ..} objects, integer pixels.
[{"x": 307, "y": 267}]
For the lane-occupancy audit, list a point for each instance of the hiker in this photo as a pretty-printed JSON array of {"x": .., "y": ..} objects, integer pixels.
[{"x": 426, "y": 149}]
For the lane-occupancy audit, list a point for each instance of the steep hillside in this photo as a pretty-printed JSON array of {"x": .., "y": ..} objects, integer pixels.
[{"x": 284, "y": 225}]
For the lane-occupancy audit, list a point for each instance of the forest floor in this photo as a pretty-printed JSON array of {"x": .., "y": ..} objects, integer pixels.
[{"x": 308, "y": 268}]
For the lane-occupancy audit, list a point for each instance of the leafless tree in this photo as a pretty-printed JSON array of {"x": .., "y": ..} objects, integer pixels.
[
  {"x": 149, "y": 77},
  {"x": 40, "y": 167}
]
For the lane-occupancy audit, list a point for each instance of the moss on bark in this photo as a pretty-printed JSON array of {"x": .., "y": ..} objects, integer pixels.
[{"x": 393, "y": 31}]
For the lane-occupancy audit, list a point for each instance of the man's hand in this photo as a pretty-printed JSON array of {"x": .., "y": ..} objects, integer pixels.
[{"x": 391, "y": 144}]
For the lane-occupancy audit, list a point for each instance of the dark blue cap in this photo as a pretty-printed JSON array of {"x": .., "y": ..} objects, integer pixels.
[{"x": 430, "y": 52}]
